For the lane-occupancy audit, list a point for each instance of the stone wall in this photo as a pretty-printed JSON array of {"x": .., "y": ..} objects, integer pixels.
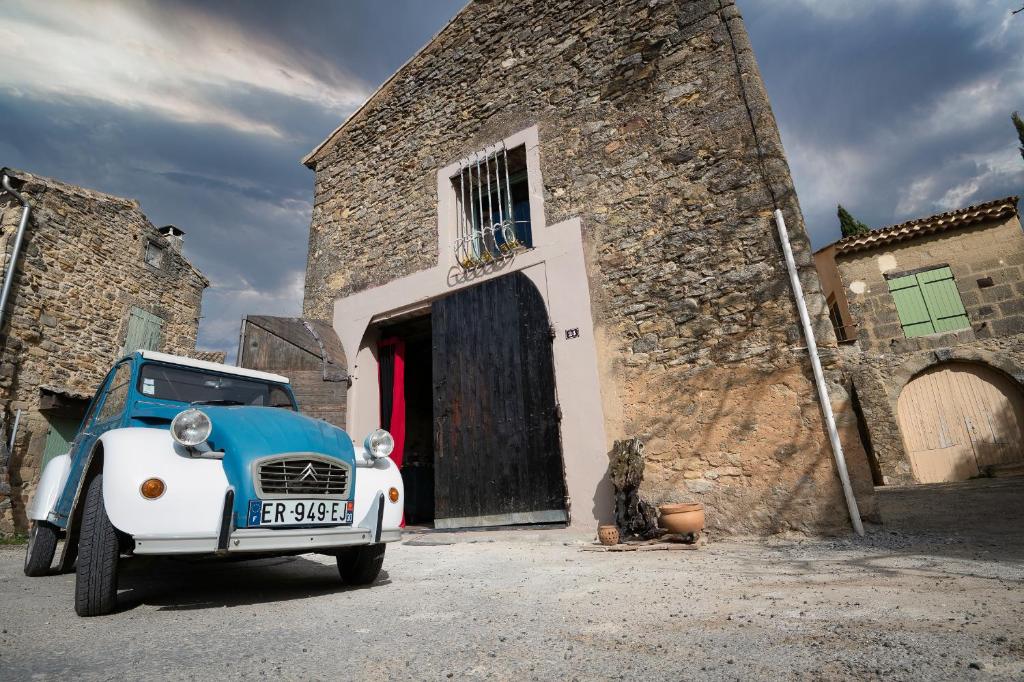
[
  {"x": 656, "y": 131},
  {"x": 883, "y": 360},
  {"x": 988, "y": 250},
  {"x": 82, "y": 268}
]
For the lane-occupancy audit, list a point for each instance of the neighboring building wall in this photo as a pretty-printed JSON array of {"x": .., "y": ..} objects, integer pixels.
[
  {"x": 81, "y": 270},
  {"x": 646, "y": 142},
  {"x": 884, "y": 360},
  {"x": 834, "y": 292}
]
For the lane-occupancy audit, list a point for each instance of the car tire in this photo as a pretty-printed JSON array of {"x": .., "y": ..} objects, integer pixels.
[
  {"x": 42, "y": 544},
  {"x": 98, "y": 553},
  {"x": 361, "y": 565}
]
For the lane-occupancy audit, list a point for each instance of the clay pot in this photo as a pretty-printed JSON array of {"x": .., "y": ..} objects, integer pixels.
[
  {"x": 608, "y": 535},
  {"x": 682, "y": 518}
]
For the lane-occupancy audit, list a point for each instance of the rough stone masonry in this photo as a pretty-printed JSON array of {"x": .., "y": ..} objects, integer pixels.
[
  {"x": 83, "y": 267},
  {"x": 656, "y": 131}
]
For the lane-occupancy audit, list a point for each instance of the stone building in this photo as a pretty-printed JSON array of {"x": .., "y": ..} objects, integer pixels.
[
  {"x": 552, "y": 230},
  {"x": 936, "y": 320},
  {"x": 94, "y": 280}
]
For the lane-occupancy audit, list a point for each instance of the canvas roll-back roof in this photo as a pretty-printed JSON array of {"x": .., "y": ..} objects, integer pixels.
[{"x": 212, "y": 366}]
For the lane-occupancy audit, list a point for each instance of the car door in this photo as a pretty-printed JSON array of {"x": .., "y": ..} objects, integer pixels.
[{"x": 105, "y": 413}]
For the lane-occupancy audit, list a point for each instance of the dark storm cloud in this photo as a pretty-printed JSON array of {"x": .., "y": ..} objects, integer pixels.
[
  {"x": 201, "y": 111},
  {"x": 371, "y": 38},
  {"x": 214, "y": 150},
  {"x": 895, "y": 110}
]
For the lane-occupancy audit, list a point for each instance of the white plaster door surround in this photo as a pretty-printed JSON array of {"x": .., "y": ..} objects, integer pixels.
[{"x": 556, "y": 266}]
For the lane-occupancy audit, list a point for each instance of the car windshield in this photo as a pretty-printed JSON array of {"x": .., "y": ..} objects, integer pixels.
[{"x": 189, "y": 385}]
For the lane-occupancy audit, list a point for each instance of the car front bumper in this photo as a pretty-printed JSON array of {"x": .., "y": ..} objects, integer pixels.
[{"x": 263, "y": 540}]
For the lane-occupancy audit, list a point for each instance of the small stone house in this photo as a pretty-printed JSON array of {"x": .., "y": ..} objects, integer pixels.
[
  {"x": 933, "y": 310},
  {"x": 552, "y": 230},
  {"x": 94, "y": 280}
]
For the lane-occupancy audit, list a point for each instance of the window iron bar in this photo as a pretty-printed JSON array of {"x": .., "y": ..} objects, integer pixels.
[{"x": 481, "y": 239}]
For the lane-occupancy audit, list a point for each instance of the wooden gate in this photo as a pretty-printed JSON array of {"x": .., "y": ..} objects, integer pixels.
[
  {"x": 958, "y": 419},
  {"x": 308, "y": 352},
  {"x": 498, "y": 455}
]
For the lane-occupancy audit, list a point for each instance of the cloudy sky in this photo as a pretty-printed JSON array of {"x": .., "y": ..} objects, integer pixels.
[{"x": 202, "y": 110}]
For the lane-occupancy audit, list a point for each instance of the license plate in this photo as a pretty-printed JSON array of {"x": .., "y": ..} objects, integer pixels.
[{"x": 300, "y": 512}]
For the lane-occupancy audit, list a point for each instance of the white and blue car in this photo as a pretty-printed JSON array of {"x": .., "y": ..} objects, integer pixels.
[{"x": 184, "y": 457}]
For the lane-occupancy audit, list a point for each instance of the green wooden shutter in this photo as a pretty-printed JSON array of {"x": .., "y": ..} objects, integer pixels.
[
  {"x": 910, "y": 306},
  {"x": 144, "y": 331},
  {"x": 928, "y": 302},
  {"x": 59, "y": 437},
  {"x": 943, "y": 299}
]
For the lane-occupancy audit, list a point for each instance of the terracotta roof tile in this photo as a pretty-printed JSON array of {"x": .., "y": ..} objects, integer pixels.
[{"x": 961, "y": 217}]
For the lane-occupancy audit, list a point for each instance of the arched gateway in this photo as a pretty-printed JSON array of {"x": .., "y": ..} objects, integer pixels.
[{"x": 958, "y": 419}]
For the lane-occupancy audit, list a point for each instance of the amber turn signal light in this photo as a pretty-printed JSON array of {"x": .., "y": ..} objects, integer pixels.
[
  {"x": 393, "y": 494},
  {"x": 152, "y": 488}
]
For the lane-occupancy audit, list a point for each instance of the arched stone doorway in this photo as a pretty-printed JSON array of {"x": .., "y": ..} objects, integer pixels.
[{"x": 959, "y": 419}]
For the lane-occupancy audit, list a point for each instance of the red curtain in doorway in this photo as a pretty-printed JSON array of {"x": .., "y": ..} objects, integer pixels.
[{"x": 391, "y": 376}]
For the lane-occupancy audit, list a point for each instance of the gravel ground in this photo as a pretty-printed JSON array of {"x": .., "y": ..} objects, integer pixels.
[{"x": 532, "y": 605}]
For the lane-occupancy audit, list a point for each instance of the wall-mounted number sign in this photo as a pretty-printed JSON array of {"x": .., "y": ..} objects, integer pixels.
[{"x": 573, "y": 333}]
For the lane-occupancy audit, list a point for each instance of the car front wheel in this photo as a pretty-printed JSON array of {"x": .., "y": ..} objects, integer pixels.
[
  {"x": 98, "y": 551},
  {"x": 361, "y": 565},
  {"x": 42, "y": 544}
]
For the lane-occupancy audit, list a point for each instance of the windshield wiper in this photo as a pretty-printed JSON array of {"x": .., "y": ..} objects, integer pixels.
[{"x": 217, "y": 402}]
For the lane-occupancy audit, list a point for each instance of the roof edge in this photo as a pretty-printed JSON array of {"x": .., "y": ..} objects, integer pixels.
[
  {"x": 67, "y": 187},
  {"x": 95, "y": 195},
  {"x": 311, "y": 157},
  {"x": 994, "y": 209}
]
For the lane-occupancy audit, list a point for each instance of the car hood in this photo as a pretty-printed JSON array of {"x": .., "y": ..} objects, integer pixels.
[{"x": 246, "y": 432}]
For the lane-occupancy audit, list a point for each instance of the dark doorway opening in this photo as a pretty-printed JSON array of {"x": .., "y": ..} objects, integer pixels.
[{"x": 418, "y": 450}]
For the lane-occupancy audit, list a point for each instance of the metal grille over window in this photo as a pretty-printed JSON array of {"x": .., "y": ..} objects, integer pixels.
[
  {"x": 302, "y": 476},
  {"x": 492, "y": 191}
]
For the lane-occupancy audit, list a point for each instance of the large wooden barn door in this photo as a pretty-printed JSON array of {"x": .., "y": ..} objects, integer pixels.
[
  {"x": 498, "y": 457},
  {"x": 958, "y": 419}
]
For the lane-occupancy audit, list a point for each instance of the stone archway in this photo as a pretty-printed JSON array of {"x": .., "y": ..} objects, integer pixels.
[{"x": 959, "y": 419}]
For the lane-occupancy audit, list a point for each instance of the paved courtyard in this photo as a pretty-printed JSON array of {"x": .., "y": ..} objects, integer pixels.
[{"x": 532, "y": 605}]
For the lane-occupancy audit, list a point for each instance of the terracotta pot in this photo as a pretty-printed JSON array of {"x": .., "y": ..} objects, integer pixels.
[
  {"x": 608, "y": 535},
  {"x": 682, "y": 518}
]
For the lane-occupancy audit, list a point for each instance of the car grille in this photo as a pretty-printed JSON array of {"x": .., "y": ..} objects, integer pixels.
[{"x": 302, "y": 476}]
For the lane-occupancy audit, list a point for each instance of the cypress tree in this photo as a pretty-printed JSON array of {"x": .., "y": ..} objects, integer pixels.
[
  {"x": 1019, "y": 125},
  {"x": 850, "y": 225}
]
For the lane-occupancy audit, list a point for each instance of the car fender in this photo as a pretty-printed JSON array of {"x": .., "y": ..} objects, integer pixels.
[
  {"x": 51, "y": 483},
  {"x": 375, "y": 477},
  {"x": 192, "y": 504}
]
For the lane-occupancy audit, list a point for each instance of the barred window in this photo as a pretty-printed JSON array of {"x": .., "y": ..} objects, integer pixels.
[{"x": 493, "y": 198}]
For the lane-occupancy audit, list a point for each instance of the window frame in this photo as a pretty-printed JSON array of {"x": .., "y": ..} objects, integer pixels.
[
  {"x": 155, "y": 247},
  {"x": 448, "y": 213},
  {"x": 102, "y": 414}
]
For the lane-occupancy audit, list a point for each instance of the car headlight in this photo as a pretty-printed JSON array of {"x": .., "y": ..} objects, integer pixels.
[
  {"x": 379, "y": 444},
  {"x": 191, "y": 427}
]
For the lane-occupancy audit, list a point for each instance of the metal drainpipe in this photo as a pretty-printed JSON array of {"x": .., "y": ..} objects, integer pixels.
[
  {"x": 9, "y": 277},
  {"x": 819, "y": 376}
]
